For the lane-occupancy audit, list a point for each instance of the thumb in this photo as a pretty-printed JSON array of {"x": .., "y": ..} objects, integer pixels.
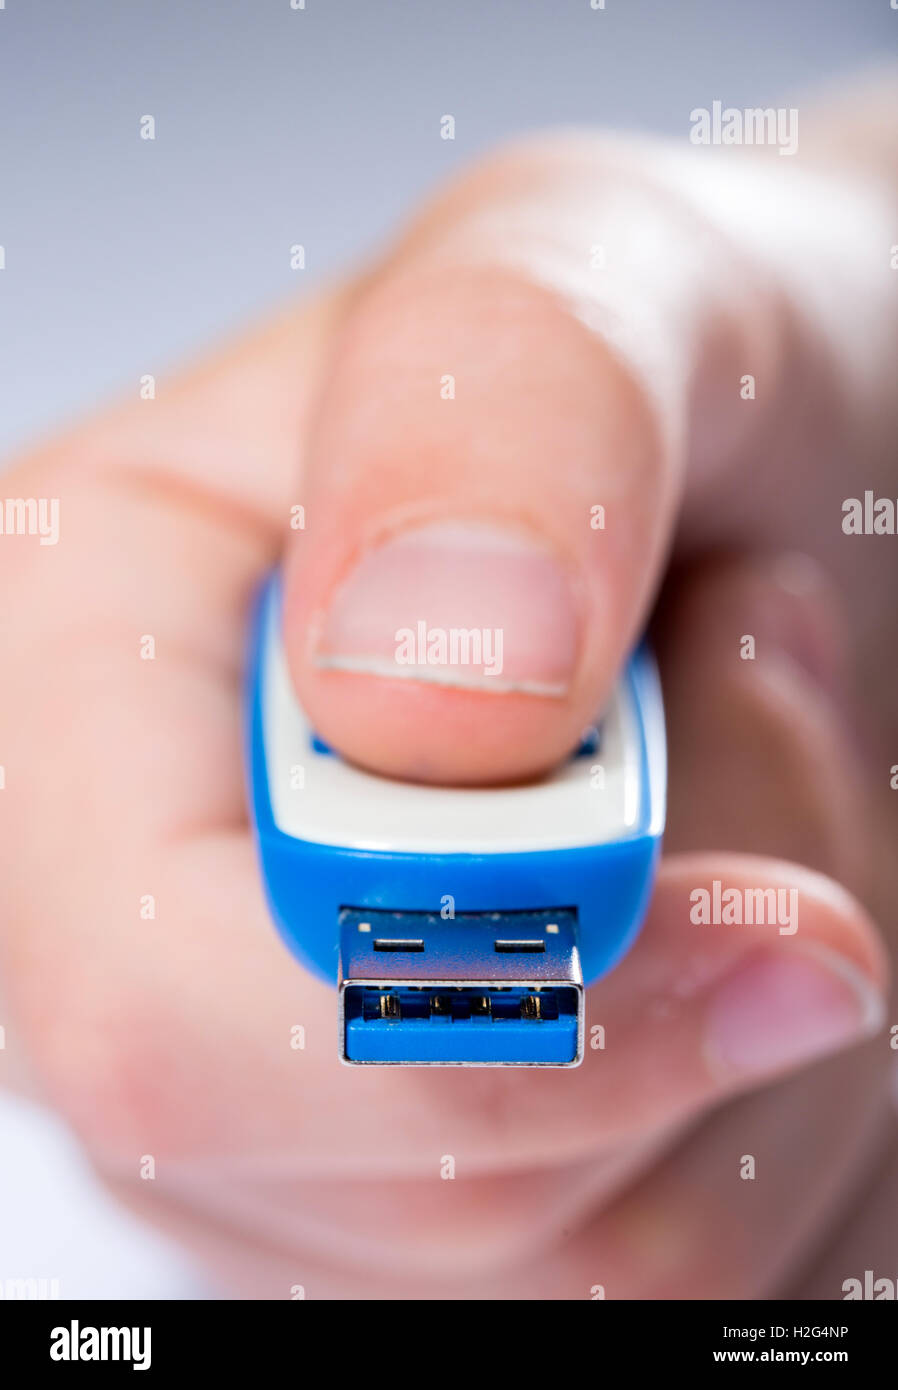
[
  {"x": 451, "y": 611},
  {"x": 495, "y": 467},
  {"x": 483, "y": 463}
]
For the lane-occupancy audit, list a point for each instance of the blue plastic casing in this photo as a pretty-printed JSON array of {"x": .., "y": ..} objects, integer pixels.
[{"x": 606, "y": 885}]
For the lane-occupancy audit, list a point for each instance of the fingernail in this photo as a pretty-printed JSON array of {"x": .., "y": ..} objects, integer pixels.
[
  {"x": 778, "y": 1010},
  {"x": 458, "y": 604}
]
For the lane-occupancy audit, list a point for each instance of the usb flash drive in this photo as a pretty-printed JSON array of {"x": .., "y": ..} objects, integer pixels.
[{"x": 458, "y": 924}]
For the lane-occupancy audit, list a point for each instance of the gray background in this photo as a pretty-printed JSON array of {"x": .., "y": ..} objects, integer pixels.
[{"x": 317, "y": 126}]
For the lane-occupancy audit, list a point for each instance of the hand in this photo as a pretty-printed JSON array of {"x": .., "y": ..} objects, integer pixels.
[{"x": 571, "y": 326}]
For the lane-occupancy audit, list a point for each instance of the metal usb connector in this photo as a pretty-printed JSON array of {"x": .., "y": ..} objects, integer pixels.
[{"x": 478, "y": 989}]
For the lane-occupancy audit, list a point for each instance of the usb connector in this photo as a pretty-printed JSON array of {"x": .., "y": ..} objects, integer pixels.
[{"x": 478, "y": 989}]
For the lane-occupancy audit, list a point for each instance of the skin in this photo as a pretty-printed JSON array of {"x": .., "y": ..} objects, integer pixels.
[{"x": 170, "y": 1037}]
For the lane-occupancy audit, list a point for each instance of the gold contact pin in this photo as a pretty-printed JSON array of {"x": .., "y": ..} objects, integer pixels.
[
  {"x": 531, "y": 1006},
  {"x": 390, "y": 1006}
]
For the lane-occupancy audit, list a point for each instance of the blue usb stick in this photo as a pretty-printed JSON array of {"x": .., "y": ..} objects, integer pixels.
[{"x": 459, "y": 925}]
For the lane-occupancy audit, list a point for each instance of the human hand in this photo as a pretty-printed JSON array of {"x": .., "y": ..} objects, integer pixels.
[{"x": 583, "y": 378}]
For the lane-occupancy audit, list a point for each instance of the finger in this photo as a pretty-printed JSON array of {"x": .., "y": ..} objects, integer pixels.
[
  {"x": 170, "y": 512},
  {"x": 197, "y": 979},
  {"x": 504, "y": 434},
  {"x": 755, "y": 660},
  {"x": 760, "y": 758},
  {"x": 660, "y": 1009},
  {"x": 732, "y": 1211},
  {"x": 866, "y": 1242},
  {"x": 666, "y": 1025},
  {"x": 689, "y": 1017}
]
